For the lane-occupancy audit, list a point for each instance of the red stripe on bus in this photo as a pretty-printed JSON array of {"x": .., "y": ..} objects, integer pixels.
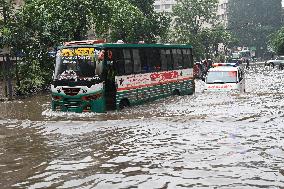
[{"x": 152, "y": 84}]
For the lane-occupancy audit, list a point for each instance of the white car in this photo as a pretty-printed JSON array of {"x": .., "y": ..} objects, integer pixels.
[
  {"x": 279, "y": 61},
  {"x": 225, "y": 77}
]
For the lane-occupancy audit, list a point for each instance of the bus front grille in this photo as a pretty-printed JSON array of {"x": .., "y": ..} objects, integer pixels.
[
  {"x": 71, "y": 91},
  {"x": 72, "y": 103}
]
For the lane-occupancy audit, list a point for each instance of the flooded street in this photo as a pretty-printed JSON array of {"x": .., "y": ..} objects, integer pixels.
[{"x": 207, "y": 140}]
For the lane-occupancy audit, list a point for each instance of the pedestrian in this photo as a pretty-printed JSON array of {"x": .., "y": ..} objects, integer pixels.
[
  {"x": 205, "y": 63},
  {"x": 210, "y": 63},
  {"x": 197, "y": 71},
  {"x": 101, "y": 55},
  {"x": 247, "y": 61}
]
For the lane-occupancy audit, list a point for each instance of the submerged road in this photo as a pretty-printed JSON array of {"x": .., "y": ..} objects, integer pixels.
[{"x": 207, "y": 140}]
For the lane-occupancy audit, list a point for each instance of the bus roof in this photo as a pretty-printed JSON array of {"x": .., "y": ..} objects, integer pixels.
[{"x": 127, "y": 45}]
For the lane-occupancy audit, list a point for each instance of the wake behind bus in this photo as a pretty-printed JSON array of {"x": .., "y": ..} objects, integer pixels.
[{"x": 93, "y": 76}]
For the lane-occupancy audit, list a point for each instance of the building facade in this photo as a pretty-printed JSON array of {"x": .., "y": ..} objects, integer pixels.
[
  {"x": 167, "y": 6},
  {"x": 164, "y": 5},
  {"x": 222, "y": 12}
]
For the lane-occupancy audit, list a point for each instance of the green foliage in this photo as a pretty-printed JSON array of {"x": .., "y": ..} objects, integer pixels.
[
  {"x": 31, "y": 80},
  {"x": 211, "y": 38},
  {"x": 164, "y": 20},
  {"x": 190, "y": 16},
  {"x": 52, "y": 22},
  {"x": 6, "y": 22},
  {"x": 125, "y": 21},
  {"x": 252, "y": 21},
  {"x": 277, "y": 41},
  {"x": 134, "y": 20},
  {"x": 42, "y": 25},
  {"x": 145, "y": 6}
]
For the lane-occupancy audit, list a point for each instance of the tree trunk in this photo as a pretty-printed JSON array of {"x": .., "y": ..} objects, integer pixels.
[
  {"x": 4, "y": 77},
  {"x": 9, "y": 77}
]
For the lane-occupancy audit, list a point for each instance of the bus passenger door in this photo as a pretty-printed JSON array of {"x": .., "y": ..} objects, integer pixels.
[{"x": 109, "y": 74}]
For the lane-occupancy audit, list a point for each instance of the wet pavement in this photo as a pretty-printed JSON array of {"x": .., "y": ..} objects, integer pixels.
[{"x": 206, "y": 140}]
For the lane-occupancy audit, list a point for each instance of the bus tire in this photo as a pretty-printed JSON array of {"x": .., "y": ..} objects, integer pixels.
[
  {"x": 280, "y": 67},
  {"x": 176, "y": 92},
  {"x": 124, "y": 103},
  {"x": 271, "y": 64}
]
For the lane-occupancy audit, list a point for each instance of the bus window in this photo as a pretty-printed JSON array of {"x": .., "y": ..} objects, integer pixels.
[
  {"x": 186, "y": 58},
  {"x": 149, "y": 58},
  {"x": 143, "y": 58},
  {"x": 108, "y": 54},
  {"x": 153, "y": 59},
  {"x": 157, "y": 59},
  {"x": 87, "y": 68},
  {"x": 175, "y": 65},
  {"x": 136, "y": 60},
  {"x": 191, "y": 58},
  {"x": 118, "y": 61},
  {"x": 180, "y": 60},
  {"x": 163, "y": 60},
  {"x": 169, "y": 59},
  {"x": 177, "y": 58},
  {"x": 127, "y": 61}
]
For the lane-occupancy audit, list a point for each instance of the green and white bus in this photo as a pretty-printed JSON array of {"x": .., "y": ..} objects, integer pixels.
[{"x": 95, "y": 77}]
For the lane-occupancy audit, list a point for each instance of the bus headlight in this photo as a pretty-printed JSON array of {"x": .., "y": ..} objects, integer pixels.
[{"x": 92, "y": 97}]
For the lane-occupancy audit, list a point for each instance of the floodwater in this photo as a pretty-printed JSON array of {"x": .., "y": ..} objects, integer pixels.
[{"x": 207, "y": 140}]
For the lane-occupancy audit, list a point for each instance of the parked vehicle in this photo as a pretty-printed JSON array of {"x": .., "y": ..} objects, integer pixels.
[
  {"x": 247, "y": 55},
  {"x": 237, "y": 61},
  {"x": 279, "y": 61}
]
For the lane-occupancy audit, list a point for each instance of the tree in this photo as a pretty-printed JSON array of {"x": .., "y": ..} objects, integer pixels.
[
  {"x": 277, "y": 41},
  {"x": 42, "y": 25},
  {"x": 252, "y": 21},
  {"x": 211, "y": 38},
  {"x": 6, "y": 21},
  {"x": 156, "y": 24},
  {"x": 190, "y": 17},
  {"x": 134, "y": 20},
  {"x": 6, "y": 36}
]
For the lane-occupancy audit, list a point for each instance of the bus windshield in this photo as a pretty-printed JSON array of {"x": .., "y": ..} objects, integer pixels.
[
  {"x": 222, "y": 77},
  {"x": 77, "y": 63}
]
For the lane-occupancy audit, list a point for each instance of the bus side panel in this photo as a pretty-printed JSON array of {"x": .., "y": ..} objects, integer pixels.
[{"x": 140, "y": 88}]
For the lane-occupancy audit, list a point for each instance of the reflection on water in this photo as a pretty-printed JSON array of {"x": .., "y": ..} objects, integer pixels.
[{"x": 207, "y": 140}]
